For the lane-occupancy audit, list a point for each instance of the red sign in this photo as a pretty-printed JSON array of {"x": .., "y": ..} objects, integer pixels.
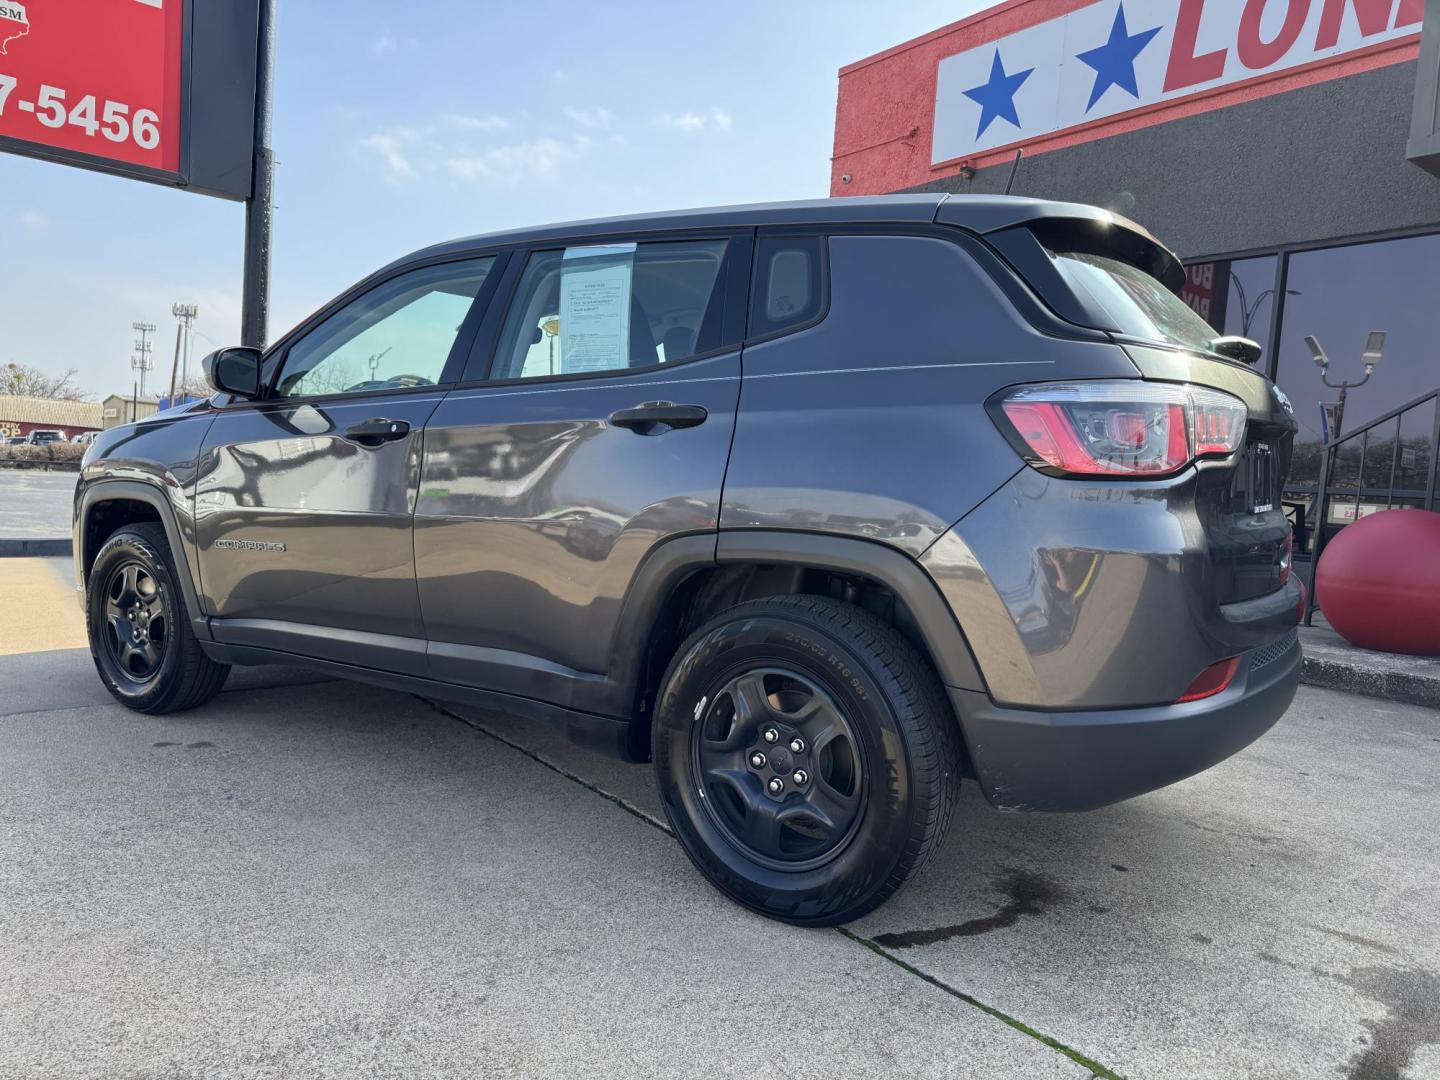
[{"x": 101, "y": 77}]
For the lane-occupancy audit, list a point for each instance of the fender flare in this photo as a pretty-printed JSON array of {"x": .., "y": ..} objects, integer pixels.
[
  {"x": 103, "y": 491},
  {"x": 901, "y": 574},
  {"x": 672, "y": 561}
]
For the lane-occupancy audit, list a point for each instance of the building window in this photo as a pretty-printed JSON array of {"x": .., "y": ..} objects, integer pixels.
[
  {"x": 1235, "y": 296},
  {"x": 1338, "y": 295}
]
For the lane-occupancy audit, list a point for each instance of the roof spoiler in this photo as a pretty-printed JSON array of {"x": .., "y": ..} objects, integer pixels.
[{"x": 1061, "y": 226}]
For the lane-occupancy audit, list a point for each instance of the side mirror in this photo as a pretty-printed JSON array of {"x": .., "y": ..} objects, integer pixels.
[
  {"x": 233, "y": 371},
  {"x": 1237, "y": 348}
]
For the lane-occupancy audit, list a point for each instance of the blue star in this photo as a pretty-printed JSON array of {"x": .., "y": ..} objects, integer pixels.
[
  {"x": 1114, "y": 62},
  {"x": 996, "y": 98}
]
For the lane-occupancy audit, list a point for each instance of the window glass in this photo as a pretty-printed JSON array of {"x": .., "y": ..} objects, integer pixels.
[
  {"x": 1138, "y": 304},
  {"x": 788, "y": 285},
  {"x": 607, "y": 307},
  {"x": 397, "y": 335},
  {"x": 1235, "y": 296},
  {"x": 1338, "y": 295}
]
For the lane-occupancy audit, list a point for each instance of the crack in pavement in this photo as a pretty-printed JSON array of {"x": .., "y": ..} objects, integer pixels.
[{"x": 1098, "y": 1071}]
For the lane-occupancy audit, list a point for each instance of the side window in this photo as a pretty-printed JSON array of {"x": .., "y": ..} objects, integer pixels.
[
  {"x": 612, "y": 306},
  {"x": 397, "y": 335},
  {"x": 789, "y": 286}
]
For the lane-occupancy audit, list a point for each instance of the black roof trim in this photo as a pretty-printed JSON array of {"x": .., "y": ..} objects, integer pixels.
[{"x": 975, "y": 213}]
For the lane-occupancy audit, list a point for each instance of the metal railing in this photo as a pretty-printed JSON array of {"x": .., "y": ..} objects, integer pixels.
[{"x": 1328, "y": 490}]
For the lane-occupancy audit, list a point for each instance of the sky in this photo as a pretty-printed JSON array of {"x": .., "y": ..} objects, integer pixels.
[{"x": 398, "y": 125}]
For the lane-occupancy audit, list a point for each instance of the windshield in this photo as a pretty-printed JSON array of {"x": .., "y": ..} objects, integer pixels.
[{"x": 1138, "y": 304}]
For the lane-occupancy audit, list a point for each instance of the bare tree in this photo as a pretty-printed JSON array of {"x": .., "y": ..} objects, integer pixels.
[
  {"x": 195, "y": 386},
  {"x": 23, "y": 380}
]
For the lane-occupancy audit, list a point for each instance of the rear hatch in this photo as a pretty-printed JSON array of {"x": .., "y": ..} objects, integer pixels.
[
  {"x": 1108, "y": 274},
  {"x": 1238, "y": 500}
]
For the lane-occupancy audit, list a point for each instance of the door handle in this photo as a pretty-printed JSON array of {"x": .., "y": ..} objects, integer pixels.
[
  {"x": 655, "y": 417},
  {"x": 378, "y": 430}
]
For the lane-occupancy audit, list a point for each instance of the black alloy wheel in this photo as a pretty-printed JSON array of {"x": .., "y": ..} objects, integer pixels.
[
  {"x": 781, "y": 767},
  {"x": 806, "y": 756},
  {"x": 136, "y": 623},
  {"x": 146, "y": 653}
]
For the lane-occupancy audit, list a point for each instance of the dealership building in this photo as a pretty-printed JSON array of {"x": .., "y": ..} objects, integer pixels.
[{"x": 1287, "y": 150}]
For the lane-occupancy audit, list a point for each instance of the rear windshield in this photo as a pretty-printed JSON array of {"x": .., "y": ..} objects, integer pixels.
[{"x": 1138, "y": 305}]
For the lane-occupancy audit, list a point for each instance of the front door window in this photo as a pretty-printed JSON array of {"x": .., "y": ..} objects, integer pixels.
[{"x": 397, "y": 336}]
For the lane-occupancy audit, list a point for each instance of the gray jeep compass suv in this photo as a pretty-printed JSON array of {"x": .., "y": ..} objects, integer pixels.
[{"x": 817, "y": 506}]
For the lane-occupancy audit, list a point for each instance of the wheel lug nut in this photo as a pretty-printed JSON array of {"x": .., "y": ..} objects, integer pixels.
[
  {"x": 797, "y": 745},
  {"x": 757, "y": 759},
  {"x": 771, "y": 735},
  {"x": 775, "y": 786},
  {"x": 801, "y": 776}
]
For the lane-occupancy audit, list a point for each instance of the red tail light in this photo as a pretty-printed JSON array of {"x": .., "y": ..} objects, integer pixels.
[
  {"x": 1123, "y": 428},
  {"x": 1212, "y": 680}
]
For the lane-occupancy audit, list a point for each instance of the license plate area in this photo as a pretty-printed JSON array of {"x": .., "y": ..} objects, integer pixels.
[{"x": 1256, "y": 482}]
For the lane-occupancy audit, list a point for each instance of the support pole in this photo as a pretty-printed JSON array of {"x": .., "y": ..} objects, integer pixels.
[
  {"x": 175, "y": 367},
  {"x": 259, "y": 209}
]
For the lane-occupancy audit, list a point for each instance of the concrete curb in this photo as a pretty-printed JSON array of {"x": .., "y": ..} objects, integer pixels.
[
  {"x": 1335, "y": 664},
  {"x": 34, "y": 547}
]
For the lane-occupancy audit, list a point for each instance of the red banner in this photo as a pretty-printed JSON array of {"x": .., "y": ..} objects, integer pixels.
[{"x": 102, "y": 77}]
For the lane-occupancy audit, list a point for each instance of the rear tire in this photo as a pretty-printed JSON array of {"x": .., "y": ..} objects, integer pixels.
[
  {"x": 147, "y": 655},
  {"x": 827, "y": 832}
]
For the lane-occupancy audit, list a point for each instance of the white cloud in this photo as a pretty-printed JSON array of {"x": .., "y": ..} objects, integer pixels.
[
  {"x": 691, "y": 122},
  {"x": 34, "y": 219},
  {"x": 489, "y": 122},
  {"x": 387, "y": 42},
  {"x": 598, "y": 117},
  {"x": 393, "y": 150},
  {"x": 456, "y": 146},
  {"x": 518, "y": 161}
]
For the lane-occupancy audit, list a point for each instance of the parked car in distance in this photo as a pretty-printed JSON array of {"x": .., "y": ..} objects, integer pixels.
[
  {"x": 44, "y": 436},
  {"x": 984, "y": 499},
  {"x": 85, "y": 438}
]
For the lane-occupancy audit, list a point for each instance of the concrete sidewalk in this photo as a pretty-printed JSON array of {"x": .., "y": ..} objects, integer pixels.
[{"x": 1333, "y": 662}]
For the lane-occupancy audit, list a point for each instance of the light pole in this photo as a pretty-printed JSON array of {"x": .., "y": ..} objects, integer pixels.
[
  {"x": 1374, "y": 350},
  {"x": 1248, "y": 311},
  {"x": 141, "y": 361},
  {"x": 185, "y": 315}
]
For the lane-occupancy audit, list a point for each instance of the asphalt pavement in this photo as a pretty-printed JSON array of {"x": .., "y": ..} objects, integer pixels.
[{"x": 317, "y": 878}]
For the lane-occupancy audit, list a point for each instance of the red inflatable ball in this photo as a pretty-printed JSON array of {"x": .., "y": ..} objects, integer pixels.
[{"x": 1378, "y": 582}]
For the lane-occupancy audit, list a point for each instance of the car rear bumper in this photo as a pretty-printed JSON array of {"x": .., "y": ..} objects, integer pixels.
[{"x": 1032, "y": 760}]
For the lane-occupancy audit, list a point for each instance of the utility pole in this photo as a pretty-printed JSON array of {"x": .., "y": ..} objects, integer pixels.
[
  {"x": 141, "y": 361},
  {"x": 259, "y": 208},
  {"x": 185, "y": 315}
]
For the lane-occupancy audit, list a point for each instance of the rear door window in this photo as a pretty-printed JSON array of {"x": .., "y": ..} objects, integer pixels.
[{"x": 614, "y": 306}]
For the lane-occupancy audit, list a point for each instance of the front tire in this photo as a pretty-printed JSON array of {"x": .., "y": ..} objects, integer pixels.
[
  {"x": 806, "y": 757},
  {"x": 140, "y": 637}
]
